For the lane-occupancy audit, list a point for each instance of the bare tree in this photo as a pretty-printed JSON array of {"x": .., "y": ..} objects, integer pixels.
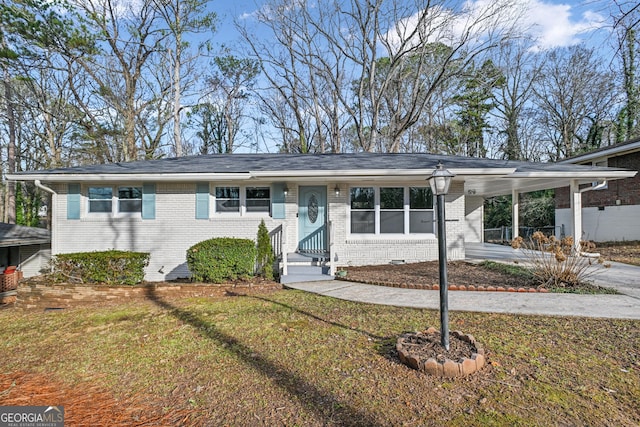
[
  {"x": 110, "y": 86},
  {"x": 626, "y": 25},
  {"x": 183, "y": 18},
  {"x": 520, "y": 68},
  {"x": 378, "y": 101}
]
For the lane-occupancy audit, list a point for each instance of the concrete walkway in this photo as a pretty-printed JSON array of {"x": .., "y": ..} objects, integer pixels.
[{"x": 624, "y": 278}]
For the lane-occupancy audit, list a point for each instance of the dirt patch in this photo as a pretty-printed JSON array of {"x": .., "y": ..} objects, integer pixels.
[
  {"x": 426, "y": 274},
  {"x": 619, "y": 252}
]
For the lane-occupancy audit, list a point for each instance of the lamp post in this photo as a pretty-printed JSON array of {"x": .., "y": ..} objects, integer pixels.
[{"x": 439, "y": 181}]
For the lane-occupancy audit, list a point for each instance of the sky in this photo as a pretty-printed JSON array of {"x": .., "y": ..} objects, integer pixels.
[{"x": 554, "y": 23}]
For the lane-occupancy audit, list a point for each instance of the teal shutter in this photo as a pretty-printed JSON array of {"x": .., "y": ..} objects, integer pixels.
[
  {"x": 73, "y": 201},
  {"x": 277, "y": 201},
  {"x": 148, "y": 201},
  {"x": 202, "y": 200}
]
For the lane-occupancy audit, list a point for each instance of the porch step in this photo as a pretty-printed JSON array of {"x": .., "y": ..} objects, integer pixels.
[{"x": 306, "y": 268}]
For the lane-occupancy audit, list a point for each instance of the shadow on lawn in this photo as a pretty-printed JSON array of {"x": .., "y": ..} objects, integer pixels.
[
  {"x": 307, "y": 394},
  {"x": 313, "y": 316}
]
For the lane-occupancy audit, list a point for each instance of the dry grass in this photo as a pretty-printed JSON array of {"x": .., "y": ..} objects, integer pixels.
[{"x": 291, "y": 358}]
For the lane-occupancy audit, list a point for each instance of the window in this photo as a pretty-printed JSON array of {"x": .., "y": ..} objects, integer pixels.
[
  {"x": 227, "y": 199},
  {"x": 391, "y": 210},
  {"x": 258, "y": 199},
  {"x": 129, "y": 199},
  {"x": 100, "y": 199},
  {"x": 420, "y": 210},
  {"x": 363, "y": 210}
]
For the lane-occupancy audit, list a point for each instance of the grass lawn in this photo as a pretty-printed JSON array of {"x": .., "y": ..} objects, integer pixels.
[{"x": 292, "y": 358}]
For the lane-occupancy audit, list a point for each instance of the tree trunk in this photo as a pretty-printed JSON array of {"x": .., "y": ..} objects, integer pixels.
[{"x": 10, "y": 209}]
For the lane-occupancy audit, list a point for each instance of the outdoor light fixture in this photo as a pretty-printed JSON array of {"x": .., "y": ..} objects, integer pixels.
[
  {"x": 285, "y": 190},
  {"x": 440, "y": 180},
  {"x": 337, "y": 190}
]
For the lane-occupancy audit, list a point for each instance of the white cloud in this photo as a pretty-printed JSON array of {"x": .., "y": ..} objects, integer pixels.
[
  {"x": 549, "y": 24},
  {"x": 559, "y": 25}
]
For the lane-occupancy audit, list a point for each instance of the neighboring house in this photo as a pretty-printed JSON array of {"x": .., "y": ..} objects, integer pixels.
[
  {"x": 27, "y": 248},
  {"x": 611, "y": 213},
  {"x": 323, "y": 210}
]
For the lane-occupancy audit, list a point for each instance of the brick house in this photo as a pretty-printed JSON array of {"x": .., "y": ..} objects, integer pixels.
[
  {"x": 611, "y": 213},
  {"x": 323, "y": 210}
]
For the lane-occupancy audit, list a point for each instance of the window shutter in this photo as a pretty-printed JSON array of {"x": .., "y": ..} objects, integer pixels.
[
  {"x": 202, "y": 200},
  {"x": 148, "y": 201},
  {"x": 277, "y": 201},
  {"x": 73, "y": 201}
]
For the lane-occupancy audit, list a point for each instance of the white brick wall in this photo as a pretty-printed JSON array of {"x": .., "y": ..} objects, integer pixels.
[{"x": 175, "y": 229}]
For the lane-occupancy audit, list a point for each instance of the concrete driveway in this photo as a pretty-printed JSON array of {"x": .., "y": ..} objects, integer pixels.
[{"x": 624, "y": 278}]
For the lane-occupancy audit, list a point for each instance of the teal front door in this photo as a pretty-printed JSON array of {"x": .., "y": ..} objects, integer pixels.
[{"x": 312, "y": 220}]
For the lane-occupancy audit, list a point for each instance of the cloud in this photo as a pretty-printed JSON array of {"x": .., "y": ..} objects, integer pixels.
[
  {"x": 556, "y": 25},
  {"x": 548, "y": 24}
]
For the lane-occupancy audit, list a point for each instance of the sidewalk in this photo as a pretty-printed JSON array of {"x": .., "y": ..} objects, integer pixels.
[{"x": 625, "y": 278}]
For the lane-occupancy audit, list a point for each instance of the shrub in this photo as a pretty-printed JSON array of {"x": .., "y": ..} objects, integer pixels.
[
  {"x": 107, "y": 267},
  {"x": 554, "y": 261},
  {"x": 220, "y": 259},
  {"x": 265, "y": 259}
]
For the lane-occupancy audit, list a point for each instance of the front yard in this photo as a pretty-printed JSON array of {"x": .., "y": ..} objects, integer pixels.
[{"x": 292, "y": 358}]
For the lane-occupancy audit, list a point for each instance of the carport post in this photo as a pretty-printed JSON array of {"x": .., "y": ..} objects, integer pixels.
[
  {"x": 576, "y": 214},
  {"x": 515, "y": 207}
]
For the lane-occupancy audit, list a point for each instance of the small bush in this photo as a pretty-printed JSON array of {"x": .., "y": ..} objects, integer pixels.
[
  {"x": 555, "y": 262},
  {"x": 221, "y": 259},
  {"x": 265, "y": 259},
  {"x": 107, "y": 267}
]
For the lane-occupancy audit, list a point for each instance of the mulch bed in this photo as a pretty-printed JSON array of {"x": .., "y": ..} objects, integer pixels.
[{"x": 461, "y": 275}]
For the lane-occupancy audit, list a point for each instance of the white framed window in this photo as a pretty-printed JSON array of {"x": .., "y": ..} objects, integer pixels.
[
  {"x": 241, "y": 200},
  {"x": 227, "y": 199},
  {"x": 129, "y": 199},
  {"x": 114, "y": 200},
  {"x": 100, "y": 199},
  {"x": 258, "y": 199},
  {"x": 391, "y": 210},
  {"x": 363, "y": 210}
]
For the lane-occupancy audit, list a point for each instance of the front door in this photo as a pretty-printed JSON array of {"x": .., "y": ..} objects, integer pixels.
[{"x": 312, "y": 220}]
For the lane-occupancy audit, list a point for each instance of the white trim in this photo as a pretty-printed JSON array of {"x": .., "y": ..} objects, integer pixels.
[{"x": 610, "y": 152}]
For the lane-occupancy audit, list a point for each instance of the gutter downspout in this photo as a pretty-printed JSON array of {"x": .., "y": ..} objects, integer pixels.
[
  {"x": 576, "y": 206},
  {"x": 52, "y": 210}
]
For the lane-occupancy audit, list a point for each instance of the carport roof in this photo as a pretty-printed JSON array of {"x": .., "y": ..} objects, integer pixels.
[
  {"x": 19, "y": 235},
  {"x": 481, "y": 176}
]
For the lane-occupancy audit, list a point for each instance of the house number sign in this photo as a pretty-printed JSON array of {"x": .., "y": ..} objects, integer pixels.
[{"x": 312, "y": 209}]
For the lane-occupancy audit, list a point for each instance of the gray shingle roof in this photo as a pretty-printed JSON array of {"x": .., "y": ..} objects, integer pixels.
[
  {"x": 19, "y": 235},
  {"x": 242, "y": 163}
]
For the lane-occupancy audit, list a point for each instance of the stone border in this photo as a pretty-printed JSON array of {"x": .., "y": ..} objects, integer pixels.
[
  {"x": 436, "y": 287},
  {"x": 450, "y": 368}
]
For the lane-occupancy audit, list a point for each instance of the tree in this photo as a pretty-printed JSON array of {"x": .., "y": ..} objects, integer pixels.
[
  {"x": 114, "y": 88},
  {"x": 512, "y": 100},
  {"x": 183, "y": 17},
  {"x": 474, "y": 105},
  {"x": 264, "y": 252},
  {"x": 31, "y": 31},
  {"x": 628, "y": 48},
  {"x": 574, "y": 96},
  {"x": 331, "y": 80},
  {"x": 230, "y": 85}
]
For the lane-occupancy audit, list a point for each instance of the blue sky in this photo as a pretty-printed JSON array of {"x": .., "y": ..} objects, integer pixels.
[{"x": 554, "y": 23}]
